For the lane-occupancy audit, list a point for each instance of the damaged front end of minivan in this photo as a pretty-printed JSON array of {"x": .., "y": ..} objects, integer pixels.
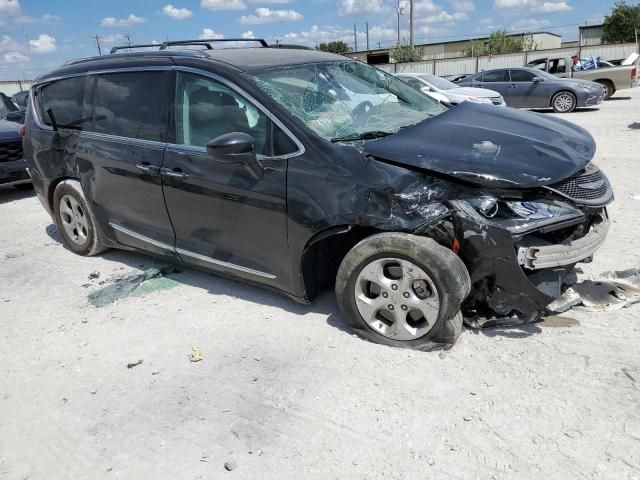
[{"x": 524, "y": 206}]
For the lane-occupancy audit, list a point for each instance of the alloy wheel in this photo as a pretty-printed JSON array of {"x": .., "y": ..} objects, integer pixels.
[
  {"x": 74, "y": 220},
  {"x": 397, "y": 298},
  {"x": 564, "y": 102}
]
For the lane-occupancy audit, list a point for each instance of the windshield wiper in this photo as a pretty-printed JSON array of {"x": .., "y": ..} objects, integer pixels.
[{"x": 362, "y": 136}]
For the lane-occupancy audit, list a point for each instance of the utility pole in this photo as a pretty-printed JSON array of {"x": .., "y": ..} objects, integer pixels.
[
  {"x": 355, "y": 37},
  {"x": 98, "y": 44},
  {"x": 411, "y": 22},
  {"x": 398, "y": 12},
  {"x": 368, "y": 36}
]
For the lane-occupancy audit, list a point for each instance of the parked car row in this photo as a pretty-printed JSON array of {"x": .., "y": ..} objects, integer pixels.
[
  {"x": 301, "y": 170},
  {"x": 13, "y": 166},
  {"x": 516, "y": 87}
]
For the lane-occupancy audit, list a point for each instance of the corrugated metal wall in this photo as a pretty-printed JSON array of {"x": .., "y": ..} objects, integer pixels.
[{"x": 453, "y": 66}]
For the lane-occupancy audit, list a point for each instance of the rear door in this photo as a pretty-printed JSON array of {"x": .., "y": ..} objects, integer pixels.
[
  {"x": 225, "y": 217},
  {"x": 497, "y": 80},
  {"x": 123, "y": 153},
  {"x": 524, "y": 92}
]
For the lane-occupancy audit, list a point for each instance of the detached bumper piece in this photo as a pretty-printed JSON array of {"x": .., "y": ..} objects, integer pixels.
[{"x": 539, "y": 257}]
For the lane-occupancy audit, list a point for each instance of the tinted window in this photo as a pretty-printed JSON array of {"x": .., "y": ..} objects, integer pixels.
[
  {"x": 521, "y": 76},
  {"x": 496, "y": 76},
  {"x": 132, "y": 105},
  {"x": 206, "y": 109},
  {"x": 65, "y": 99}
]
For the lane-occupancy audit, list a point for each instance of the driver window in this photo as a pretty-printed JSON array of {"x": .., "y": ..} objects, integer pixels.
[{"x": 206, "y": 109}]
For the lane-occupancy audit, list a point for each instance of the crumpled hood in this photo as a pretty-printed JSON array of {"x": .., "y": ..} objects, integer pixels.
[{"x": 491, "y": 147}]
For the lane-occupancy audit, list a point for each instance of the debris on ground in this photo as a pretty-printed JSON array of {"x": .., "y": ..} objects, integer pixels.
[
  {"x": 93, "y": 275},
  {"x": 195, "y": 355},
  {"x": 134, "y": 364},
  {"x": 230, "y": 465},
  {"x": 137, "y": 284},
  {"x": 609, "y": 291}
]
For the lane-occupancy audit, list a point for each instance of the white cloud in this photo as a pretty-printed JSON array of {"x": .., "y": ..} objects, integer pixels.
[
  {"x": 10, "y": 7},
  {"x": 46, "y": 18},
  {"x": 248, "y": 34},
  {"x": 317, "y": 35},
  {"x": 176, "y": 13},
  {"x": 528, "y": 24},
  {"x": 210, "y": 33},
  {"x": 15, "y": 57},
  {"x": 43, "y": 44},
  {"x": 117, "y": 38},
  {"x": 543, "y": 6},
  {"x": 122, "y": 22},
  {"x": 463, "y": 5},
  {"x": 223, "y": 4},
  {"x": 266, "y": 15},
  {"x": 357, "y": 7}
]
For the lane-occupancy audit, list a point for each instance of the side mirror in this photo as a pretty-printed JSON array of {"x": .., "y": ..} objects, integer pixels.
[
  {"x": 537, "y": 80},
  {"x": 426, "y": 89},
  {"x": 236, "y": 148}
]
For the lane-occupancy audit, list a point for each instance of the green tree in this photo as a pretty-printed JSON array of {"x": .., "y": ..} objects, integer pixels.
[
  {"x": 403, "y": 53},
  {"x": 622, "y": 24},
  {"x": 500, "y": 42},
  {"x": 339, "y": 47}
]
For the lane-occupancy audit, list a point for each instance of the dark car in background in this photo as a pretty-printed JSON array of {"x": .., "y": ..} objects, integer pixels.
[
  {"x": 531, "y": 88},
  {"x": 13, "y": 166},
  {"x": 299, "y": 170},
  {"x": 21, "y": 98}
]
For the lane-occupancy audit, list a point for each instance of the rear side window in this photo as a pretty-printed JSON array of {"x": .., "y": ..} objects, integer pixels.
[
  {"x": 133, "y": 105},
  {"x": 497, "y": 76},
  {"x": 521, "y": 76},
  {"x": 64, "y": 99}
]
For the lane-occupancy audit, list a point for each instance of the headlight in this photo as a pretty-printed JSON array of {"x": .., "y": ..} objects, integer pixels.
[
  {"x": 518, "y": 216},
  {"x": 478, "y": 99},
  {"x": 585, "y": 87}
]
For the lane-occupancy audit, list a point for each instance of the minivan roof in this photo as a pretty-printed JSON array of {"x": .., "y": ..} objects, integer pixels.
[{"x": 246, "y": 59}]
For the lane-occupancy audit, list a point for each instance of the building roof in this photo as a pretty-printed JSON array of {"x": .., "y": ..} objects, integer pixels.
[{"x": 460, "y": 40}]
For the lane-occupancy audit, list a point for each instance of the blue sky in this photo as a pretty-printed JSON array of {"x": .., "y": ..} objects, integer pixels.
[{"x": 38, "y": 35}]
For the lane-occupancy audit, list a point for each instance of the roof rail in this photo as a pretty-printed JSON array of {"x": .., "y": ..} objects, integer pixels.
[
  {"x": 125, "y": 47},
  {"x": 208, "y": 41}
]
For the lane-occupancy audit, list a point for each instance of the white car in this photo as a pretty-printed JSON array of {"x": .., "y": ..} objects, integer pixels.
[{"x": 433, "y": 85}]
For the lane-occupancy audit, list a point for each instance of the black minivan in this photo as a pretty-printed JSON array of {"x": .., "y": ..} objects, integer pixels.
[{"x": 297, "y": 170}]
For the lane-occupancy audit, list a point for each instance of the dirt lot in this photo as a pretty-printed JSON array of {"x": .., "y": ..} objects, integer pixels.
[{"x": 285, "y": 392}]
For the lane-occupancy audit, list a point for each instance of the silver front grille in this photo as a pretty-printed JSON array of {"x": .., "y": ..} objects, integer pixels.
[{"x": 588, "y": 187}]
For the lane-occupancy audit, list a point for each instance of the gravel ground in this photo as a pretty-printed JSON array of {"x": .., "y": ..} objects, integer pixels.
[{"x": 284, "y": 391}]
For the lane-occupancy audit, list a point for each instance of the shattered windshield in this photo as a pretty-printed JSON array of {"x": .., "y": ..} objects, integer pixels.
[{"x": 348, "y": 100}]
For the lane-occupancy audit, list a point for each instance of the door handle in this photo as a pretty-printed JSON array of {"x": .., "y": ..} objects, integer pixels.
[
  {"x": 175, "y": 173},
  {"x": 147, "y": 167}
]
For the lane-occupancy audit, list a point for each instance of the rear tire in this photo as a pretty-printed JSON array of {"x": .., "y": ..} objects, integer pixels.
[
  {"x": 403, "y": 290},
  {"x": 564, "y": 102},
  {"x": 75, "y": 220}
]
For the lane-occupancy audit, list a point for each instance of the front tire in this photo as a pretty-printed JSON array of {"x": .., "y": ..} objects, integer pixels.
[
  {"x": 564, "y": 102},
  {"x": 403, "y": 290},
  {"x": 75, "y": 220},
  {"x": 609, "y": 89}
]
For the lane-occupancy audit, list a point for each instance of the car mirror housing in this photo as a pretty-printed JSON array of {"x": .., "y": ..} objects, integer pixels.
[
  {"x": 236, "y": 148},
  {"x": 537, "y": 79}
]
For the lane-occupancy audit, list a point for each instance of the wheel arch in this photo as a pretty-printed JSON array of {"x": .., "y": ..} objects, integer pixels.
[
  {"x": 324, "y": 252},
  {"x": 52, "y": 189}
]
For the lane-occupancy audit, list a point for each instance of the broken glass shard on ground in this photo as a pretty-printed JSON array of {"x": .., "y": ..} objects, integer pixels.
[{"x": 137, "y": 284}]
